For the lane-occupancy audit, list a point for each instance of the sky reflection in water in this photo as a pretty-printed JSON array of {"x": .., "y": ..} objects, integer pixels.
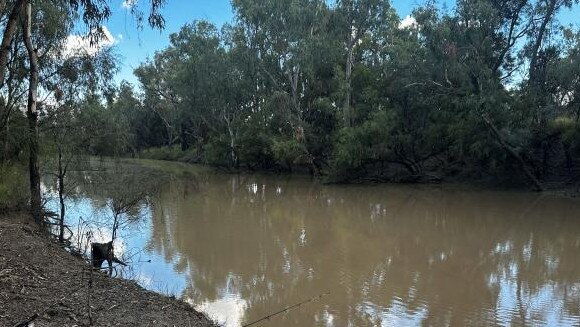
[{"x": 242, "y": 247}]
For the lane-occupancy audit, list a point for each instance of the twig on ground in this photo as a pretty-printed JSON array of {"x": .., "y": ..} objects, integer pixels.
[{"x": 27, "y": 322}]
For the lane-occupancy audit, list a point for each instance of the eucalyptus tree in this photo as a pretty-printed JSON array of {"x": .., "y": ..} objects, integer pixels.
[
  {"x": 286, "y": 43},
  {"x": 471, "y": 56},
  {"x": 181, "y": 81},
  {"x": 34, "y": 45},
  {"x": 526, "y": 29},
  {"x": 199, "y": 89},
  {"x": 450, "y": 94},
  {"x": 11, "y": 99},
  {"x": 155, "y": 78},
  {"x": 63, "y": 133},
  {"x": 199, "y": 80},
  {"x": 362, "y": 25},
  {"x": 33, "y": 19},
  {"x": 563, "y": 76},
  {"x": 128, "y": 109},
  {"x": 10, "y": 17},
  {"x": 541, "y": 50},
  {"x": 562, "y": 88},
  {"x": 398, "y": 122}
]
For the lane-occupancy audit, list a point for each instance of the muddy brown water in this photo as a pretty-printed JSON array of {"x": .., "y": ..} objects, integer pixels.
[{"x": 243, "y": 247}]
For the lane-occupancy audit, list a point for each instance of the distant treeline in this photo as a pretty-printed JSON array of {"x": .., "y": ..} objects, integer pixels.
[{"x": 351, "y": 91}]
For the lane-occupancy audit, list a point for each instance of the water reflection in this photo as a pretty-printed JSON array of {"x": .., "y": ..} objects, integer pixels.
[{"x": 242, "y": 247}]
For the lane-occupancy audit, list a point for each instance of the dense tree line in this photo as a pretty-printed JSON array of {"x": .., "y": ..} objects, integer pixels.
[
  {"x": 347, "y": 90},
  {"x": 488, "y": 90}
]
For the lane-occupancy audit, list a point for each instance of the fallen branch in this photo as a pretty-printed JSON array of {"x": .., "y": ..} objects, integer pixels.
[{"x": 27, "y": 322}]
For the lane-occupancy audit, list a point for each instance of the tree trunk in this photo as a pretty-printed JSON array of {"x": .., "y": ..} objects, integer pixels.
[
  {"x": 183, "y": 137},
  {"x": 538, "y": 42},
  {"x": 233, "y": 155},
  {"x": 32, "y": 115},
  {"x": 7, "y": 37},
  {"x": 293, "y": 77},
  {"x": 61, "y": 174},
  {"x": 5, "y": 146},
  {"x": 348, "y": 77}
]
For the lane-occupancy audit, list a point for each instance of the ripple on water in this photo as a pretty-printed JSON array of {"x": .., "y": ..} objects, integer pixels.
[
  {"x": 398, "y": 313},
  {"x": 545, "y": 305},
  {"x": 426, "y": 256}
]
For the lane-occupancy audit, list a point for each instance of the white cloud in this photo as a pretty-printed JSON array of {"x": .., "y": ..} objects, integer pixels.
[
  {"x": 128, "y": 4},
  {"x": 76, "y": 45},
  {"x": 408, "y": 22},
  {"x": 228, "y": 311}
]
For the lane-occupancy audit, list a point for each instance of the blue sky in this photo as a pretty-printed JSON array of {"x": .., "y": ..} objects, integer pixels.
[{"x": 134, "y": 46}]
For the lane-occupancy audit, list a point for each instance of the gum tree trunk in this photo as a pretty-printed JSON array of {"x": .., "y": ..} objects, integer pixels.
[
  {"x": 7, "y": 37},
  {"x": 32, "y": 115}
]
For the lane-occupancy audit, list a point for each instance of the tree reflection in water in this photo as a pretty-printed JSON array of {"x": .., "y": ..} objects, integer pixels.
[{"x": 243, "y": 247}]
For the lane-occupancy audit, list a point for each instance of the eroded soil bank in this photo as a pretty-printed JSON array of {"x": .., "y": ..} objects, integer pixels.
[{"x": 39, "y": 278}]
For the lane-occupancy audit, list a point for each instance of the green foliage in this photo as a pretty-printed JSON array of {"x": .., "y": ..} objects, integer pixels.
[
  {"x": 173, "y": 153},
  {"x": 217, "y": 152},
  {"x": 105, "y": 129},
  {"x": 369, "y": 142},
  {"x": 256, "y": 149},
  {"x": 13, "y": 187},
  {"x": 570, "y": 131},
  {"x": 289, "y": 152},
  {"x": 346, "y": 91}
]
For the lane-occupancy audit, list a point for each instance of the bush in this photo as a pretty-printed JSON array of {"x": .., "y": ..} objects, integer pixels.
[
  {"x": 173, "y": 153},
  {"x": 289, "y": 152},
  {"x": 13, "y": 187},
  {"x": 255, "y": 149},
  {"x": 217, "y": 152},
  {"x": 570, "y": 131},
  {"x": 359, "y": 145}
]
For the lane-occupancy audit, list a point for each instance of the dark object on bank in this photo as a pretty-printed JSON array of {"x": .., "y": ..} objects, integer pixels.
[
  {"x": 27, "y": 322},
  {"x": 104, "y": 251}
]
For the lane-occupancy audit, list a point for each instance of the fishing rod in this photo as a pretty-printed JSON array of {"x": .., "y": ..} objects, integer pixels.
[{"x": 286, "y": 309}]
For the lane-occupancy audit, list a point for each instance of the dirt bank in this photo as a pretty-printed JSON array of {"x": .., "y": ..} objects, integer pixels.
[{"x": 37, "y": 277}]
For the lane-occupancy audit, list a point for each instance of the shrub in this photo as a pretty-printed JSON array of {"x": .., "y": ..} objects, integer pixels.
[
  {"x": 289, "y": 152},
  {"x": 173, "y": 153},
  {"x": 217, "y": 151},
  {"x": 255, "y": 149},
  {"x": 358, "y": 145},
  {"x": 13, "y": 187}
]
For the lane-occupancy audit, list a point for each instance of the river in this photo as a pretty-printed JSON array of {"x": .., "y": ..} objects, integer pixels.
[{"x": 241, "y": 247}]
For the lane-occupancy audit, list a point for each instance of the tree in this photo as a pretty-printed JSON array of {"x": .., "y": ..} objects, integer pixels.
[
  {"x": 8, "y": 35},
  {"x": 63, "y": 132},
  {"x": 32, "y": 114},
  {"x": 360, "y": 22},
  {"x": 93, "y": 13},
  {"x": 469, "y": 93}
]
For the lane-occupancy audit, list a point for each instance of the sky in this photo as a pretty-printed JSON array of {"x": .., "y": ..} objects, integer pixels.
[{"x": 134, "y": 46}]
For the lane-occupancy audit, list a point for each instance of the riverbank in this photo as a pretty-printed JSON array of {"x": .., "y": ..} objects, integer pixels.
[
  {"x": 568, "y": 187},
  {"x": 40, "y": 279}
]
